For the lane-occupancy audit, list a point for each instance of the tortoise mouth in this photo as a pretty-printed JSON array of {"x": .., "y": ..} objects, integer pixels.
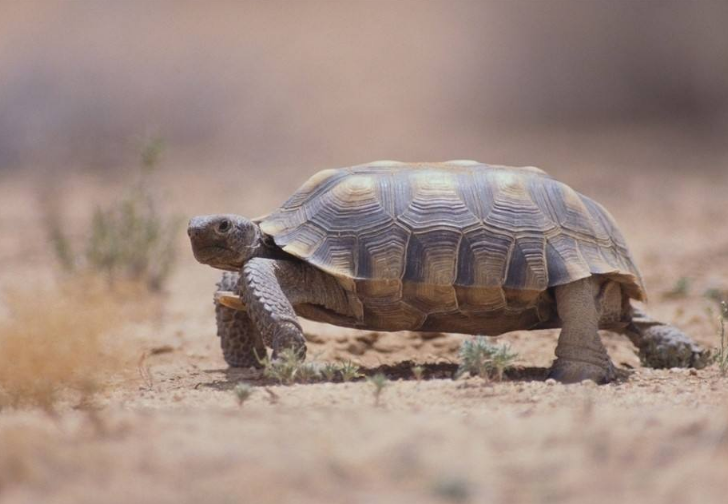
[{"x": 217, "y": 257}]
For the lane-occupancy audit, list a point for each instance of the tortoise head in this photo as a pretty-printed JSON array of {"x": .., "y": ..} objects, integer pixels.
[{"x": 224, "y": 241}]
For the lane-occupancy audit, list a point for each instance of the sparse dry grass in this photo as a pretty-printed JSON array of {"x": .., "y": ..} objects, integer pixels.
[
  {"x": 57, "y": 342},
  {"x": 721, "y": 353},
  {"x": 128, "y": 239},
  {"x": 378, "y": 382},
  {"x": 132, "y": 240}
]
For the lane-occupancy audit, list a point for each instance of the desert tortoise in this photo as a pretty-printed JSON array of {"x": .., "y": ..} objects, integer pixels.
[{"x": 458, "y": 247}]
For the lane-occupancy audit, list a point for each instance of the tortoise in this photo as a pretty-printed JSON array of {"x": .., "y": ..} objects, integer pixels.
[{"x": 460, "y": 247}]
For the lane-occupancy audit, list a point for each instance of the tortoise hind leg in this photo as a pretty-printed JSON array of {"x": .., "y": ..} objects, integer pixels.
[
  {"x": 662, "y": 345},
  {"x": 580, "y": 352},
  {"x": 242, "y": 345}
]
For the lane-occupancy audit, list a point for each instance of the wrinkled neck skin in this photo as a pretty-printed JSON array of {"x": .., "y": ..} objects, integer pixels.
[
  {"x": 253, "y": 244},
  {"x": 262, "y": 246}
]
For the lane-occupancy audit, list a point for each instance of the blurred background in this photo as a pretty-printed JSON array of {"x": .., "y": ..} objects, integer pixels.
[
  {"x": 295, "y": 86},
  {"x": 242, "y": 101}
]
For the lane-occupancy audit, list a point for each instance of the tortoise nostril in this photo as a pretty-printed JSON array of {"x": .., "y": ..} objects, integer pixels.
[{"x": 193, "y": 232}]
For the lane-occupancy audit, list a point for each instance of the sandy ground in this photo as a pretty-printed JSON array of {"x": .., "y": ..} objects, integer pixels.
[{"x": 179, "y": 435}]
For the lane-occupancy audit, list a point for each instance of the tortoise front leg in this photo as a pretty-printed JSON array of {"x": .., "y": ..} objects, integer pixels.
[
  {"x": 241, "y": 343},
  {"x": 265, "y": 288},
  {"x": 580, "y": 352}
]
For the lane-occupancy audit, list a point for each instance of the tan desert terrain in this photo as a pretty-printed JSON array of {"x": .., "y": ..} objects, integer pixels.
[{"x": 175, "y": 432}]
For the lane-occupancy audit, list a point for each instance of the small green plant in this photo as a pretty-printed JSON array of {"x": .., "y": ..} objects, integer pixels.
[
  {"x": 129, "y": 239},
  {"x": 345, "y": 371},
  {"x": 379, "y": 382},
  {"x": 453, "y": 489},
  {"x": 308, "y": 372},
  {"x": 481, "y": 358},
  {"x": 418, "y": 372},
  {"x": 721, "y": 353},
  {"x": 288, "y": 368},
  {"x": 329, "y": 371},
  {"x": 242, "y": 392},
  {"x": 62, "y": 247},
  {"x": 680, "y": 290},
  {"x": 349, "y": 371},
  {"x": 714, "y": 294},
  {"x": 151, "y": 154}
]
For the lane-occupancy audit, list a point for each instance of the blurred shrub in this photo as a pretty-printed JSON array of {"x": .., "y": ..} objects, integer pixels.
[
  {"x": 57, "y": 343},
  {"x": 129, "y": 239}
]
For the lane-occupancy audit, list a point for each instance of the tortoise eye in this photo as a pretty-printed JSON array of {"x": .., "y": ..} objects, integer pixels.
[{"x": 224, "y": 226}]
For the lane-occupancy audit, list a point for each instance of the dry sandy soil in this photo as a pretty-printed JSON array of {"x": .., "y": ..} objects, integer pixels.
[{"x": 179, "y": 435}]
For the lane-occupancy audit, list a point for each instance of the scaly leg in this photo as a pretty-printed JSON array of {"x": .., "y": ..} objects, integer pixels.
[
  {"x": 662, "y": 345},
  {"x": 242, "y": 345},
  {"x": 263, "y": 289},
  {"x": 580, "y": 352}
]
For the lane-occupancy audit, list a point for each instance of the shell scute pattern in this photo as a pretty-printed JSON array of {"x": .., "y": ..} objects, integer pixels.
[
  {"x": 483, "y": 257},
  {"x": 338, "y": 253},
  {"x": 527, "y": 266},
  {"x": 429, "y": 278},
  {"x": 354, "y": 199},
  {"x": 475, "y": 192},
  {"x": 436, "y": 204},
  {"x": 302, "y": 205},
  {"x": 513, "y": 209},
  {"x": 564, "y": 260},
  {"x": 381, "y": 254},
  {"x": 413, "y": 240}
]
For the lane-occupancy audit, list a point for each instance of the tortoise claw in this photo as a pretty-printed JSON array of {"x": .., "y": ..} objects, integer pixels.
[{"x": 230, "y": 300}]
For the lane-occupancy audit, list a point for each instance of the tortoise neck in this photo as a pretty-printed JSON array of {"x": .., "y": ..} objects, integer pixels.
[{"x": 268, "y": 249}]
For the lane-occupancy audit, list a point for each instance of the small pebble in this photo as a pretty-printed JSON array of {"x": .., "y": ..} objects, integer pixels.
[
  {"x": 678, "y": 371},
  {"x": 550, "y": 382}
]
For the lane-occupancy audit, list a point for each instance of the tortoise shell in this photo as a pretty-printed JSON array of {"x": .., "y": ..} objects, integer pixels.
[{"x": 441, "y": 238}]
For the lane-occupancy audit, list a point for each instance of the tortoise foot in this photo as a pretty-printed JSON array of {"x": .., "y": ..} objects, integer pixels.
[
  {"x": 573, "y": 371},
  {"x": 241, "y": 343},
  {"x": 665, "y": 346},
  {"x": 239, "y": 354}
]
